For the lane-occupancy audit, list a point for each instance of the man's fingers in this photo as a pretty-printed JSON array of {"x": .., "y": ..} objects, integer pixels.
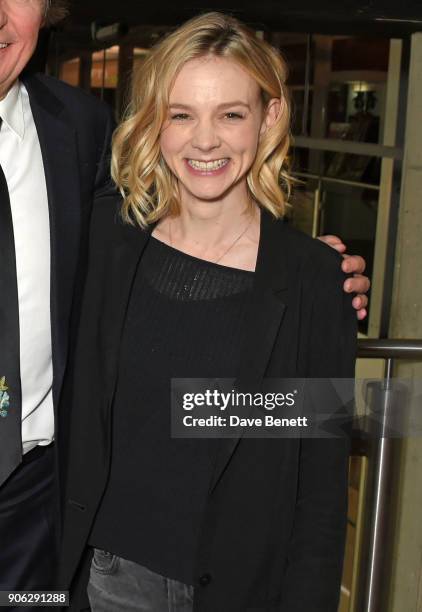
[
  {"x": 357, "y": 284},
  {"x": 334, "y": 242},
  {"x": 361, "y": 314},
  {"x": 353, "y": 264},
  {"x": 360, "y": 301}
]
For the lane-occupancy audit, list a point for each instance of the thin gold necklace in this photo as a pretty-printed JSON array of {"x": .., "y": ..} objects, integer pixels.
[{"x": 243, "y": 232}]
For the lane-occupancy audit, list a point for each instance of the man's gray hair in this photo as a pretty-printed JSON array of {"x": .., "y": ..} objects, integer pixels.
[{"x": 55, "y": 11}]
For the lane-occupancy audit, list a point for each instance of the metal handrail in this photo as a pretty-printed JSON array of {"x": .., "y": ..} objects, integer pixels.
[
  {"x": 339, "y": 145},
  {"x": 337, "y": 181},
  {"x": 389, "y": 349},
  {"x": 371, "y": 594}
]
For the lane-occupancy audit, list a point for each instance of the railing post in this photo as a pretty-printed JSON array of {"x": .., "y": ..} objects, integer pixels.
[{"x": 387, "y": 403}]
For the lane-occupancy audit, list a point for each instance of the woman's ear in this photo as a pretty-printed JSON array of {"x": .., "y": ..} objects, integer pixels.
[{"x": 272, "y": 112}]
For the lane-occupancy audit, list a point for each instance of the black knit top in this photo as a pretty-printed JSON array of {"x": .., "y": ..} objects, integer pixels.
[{"x": 186, "y": 319}]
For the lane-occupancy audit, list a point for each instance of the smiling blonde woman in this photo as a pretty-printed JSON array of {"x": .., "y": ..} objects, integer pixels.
[
  {"x": 194, "y": 274},
  {"x": 149, "y": 188}
]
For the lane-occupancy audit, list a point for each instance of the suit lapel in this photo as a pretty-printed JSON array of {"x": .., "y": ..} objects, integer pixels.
[
  {"x": 60, "y": 158},
  {"x": 264, "y": 316}
]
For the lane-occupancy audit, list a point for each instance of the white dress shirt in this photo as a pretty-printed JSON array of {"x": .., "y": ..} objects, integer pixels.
[{"x": 21, "y": 160}]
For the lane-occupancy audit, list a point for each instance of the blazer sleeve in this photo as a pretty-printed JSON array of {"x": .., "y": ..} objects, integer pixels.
[{"x": 315, "y": 556}]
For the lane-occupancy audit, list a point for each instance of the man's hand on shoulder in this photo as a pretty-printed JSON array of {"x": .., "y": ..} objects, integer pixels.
[{"x": 352, "y": 264}]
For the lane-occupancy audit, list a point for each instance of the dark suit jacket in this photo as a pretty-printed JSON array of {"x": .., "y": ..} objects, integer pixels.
[
  {"x": 273, "y": 528},
  {"x": 74, "y": 130}
]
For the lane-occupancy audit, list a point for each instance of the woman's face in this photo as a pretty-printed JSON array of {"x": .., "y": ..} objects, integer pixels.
[{"x": 215, "y": 119}]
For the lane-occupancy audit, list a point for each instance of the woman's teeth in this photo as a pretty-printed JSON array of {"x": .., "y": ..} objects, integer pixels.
[{"x": 207, "y": 166}]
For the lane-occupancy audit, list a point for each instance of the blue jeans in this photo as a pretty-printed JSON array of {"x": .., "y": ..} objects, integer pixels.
[{"x": 116, "y": 584}]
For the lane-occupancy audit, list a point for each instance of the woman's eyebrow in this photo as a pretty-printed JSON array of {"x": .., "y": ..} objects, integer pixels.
[
  {"x": 223, "y": 105},
  {"x": 234, "y": 103}
]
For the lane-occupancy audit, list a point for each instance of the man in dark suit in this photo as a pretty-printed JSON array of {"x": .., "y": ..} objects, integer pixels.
[{"x": 54, "y": 150}]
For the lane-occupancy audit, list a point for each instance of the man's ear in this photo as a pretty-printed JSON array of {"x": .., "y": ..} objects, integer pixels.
[{"x": 274, "y": 107}]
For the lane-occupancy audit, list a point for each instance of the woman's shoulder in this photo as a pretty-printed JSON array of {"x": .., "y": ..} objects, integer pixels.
[
  {"x": 107, "y": 222},
  {"x": 303, "y": 254},
  {"x": 106, "y": 208}
]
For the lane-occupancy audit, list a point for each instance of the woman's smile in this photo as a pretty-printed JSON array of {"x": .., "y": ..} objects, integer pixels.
[{"x": 207, "y": 168}]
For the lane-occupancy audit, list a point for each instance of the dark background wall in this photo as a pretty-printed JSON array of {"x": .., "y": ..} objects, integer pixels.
[{"x": 329, "y": 14}]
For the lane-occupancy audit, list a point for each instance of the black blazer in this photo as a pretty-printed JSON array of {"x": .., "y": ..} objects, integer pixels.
[
  {"x": 273, "y": 528},
  {"x": 74, "y": 131}
]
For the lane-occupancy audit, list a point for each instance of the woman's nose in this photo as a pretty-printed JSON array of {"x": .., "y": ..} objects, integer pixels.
[{"x": 205, "y": 136}]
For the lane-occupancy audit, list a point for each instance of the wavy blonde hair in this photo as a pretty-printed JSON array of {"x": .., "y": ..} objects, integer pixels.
[{"x": 149, "y": 188}]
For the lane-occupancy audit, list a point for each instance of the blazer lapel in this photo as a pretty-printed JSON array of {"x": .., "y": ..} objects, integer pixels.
[
  {"x": 265, "y": 313},
  {"x": 60, "y": 157},
  {"x": 126, "y": 252}
]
